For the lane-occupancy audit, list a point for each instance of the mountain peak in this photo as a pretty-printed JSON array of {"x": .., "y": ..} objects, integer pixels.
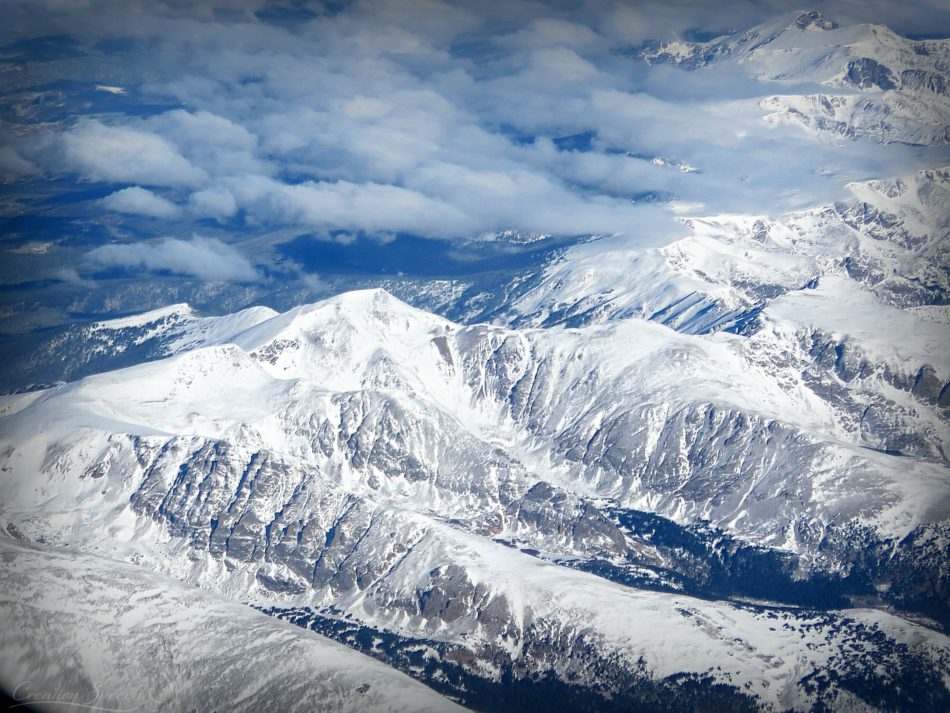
[
  {"x": 373, "y": 303},
  {"x": 345, "y": 330},
  {"x": 813, "y": 21},
  {"x": 376, "y": 296}
]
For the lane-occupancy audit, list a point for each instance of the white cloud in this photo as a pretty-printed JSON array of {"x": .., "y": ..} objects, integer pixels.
[
  {"x": 442, "y": 119},
  {"x": 139, "y": 201},
  {"x": 314, "y": 283},
  {"x": 70, "y": 276},
  {"x": 217, "y": 203},
  {"x": 546, "y": 32},
  {"x": 204, "y": 258},
  {"x": 125, "y": 155},
  {"x": 211, "y": 142},
  {"x": 370, "y": 207}
]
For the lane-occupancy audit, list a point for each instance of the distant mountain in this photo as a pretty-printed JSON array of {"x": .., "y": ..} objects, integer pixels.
[
  {"x": 889, "y": 240},
  {"x": 880, "y": 85}
]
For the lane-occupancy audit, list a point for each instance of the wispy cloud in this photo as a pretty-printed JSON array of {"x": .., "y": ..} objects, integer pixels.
[{"x": 204, "y": 258}]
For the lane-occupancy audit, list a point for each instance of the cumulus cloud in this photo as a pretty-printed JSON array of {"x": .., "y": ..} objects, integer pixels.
[
  {"x": 204, "y": 258},
  {"x": 121, "y": 154},
  {"x": 370, "y": 207},
  {"x": 139, "y": 201},
  {"x": 216, "y": 202},
  {"x": 211, "y": 142},
  {"x": 444, "y": 120}
]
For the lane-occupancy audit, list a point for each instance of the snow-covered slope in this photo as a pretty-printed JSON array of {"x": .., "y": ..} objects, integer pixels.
[
  {"x": 86, "y": 632},
  {"x": 111, "y": 344},
  {"x": 880, "y": 85},
  {"x": 364, "y": 457},
  {"x": 305, "y": 383},
  {"x": 891, "y": 238},
  {"x": 842, "y": 300}
]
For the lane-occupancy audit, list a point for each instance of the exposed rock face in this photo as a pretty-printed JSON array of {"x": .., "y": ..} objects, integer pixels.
[
  {"x": 922, "y": 80},
  {"x": 813, "y": 20},
  {"x": 866, "y": 73}
]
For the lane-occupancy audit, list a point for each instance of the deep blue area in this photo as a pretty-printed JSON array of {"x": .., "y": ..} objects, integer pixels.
[
  {"x": 41, "y": 49},
  {"x": 414, "y": 256},
  {"x": 285, "y": 15},
  {"x": 64, "y": 231},
  {"x": 576, "y": 142},
  {"x": 68, "y": 100},
  {"x": 29, "y": 228},
  {"x": 515, "y": 135}
]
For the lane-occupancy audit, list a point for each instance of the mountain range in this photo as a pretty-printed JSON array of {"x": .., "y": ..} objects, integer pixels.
[{"x": 711, "y": 474}]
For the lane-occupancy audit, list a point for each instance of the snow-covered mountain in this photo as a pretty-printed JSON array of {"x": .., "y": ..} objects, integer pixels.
[
  {"x": 890, "y": 239},
  {"x": 359, "y": 458},
  {"x": 746, "y": 421},
  {"x": 712, "y": 474},
  {"x": 880, "y": 85},
  {"x": 850, "y": 295},
  {"x": 167, "y": 646}
]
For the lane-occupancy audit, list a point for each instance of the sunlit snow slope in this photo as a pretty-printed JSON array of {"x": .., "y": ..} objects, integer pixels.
[
  {"x": 85, "y": 632},
  {"x": 361, "y": 457}
]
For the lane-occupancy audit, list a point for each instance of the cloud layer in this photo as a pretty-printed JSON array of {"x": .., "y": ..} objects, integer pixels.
[{"x": 435, "y": 118}]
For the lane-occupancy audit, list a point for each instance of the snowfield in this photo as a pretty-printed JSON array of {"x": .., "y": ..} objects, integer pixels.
[{"x": 86, "y": 632}]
